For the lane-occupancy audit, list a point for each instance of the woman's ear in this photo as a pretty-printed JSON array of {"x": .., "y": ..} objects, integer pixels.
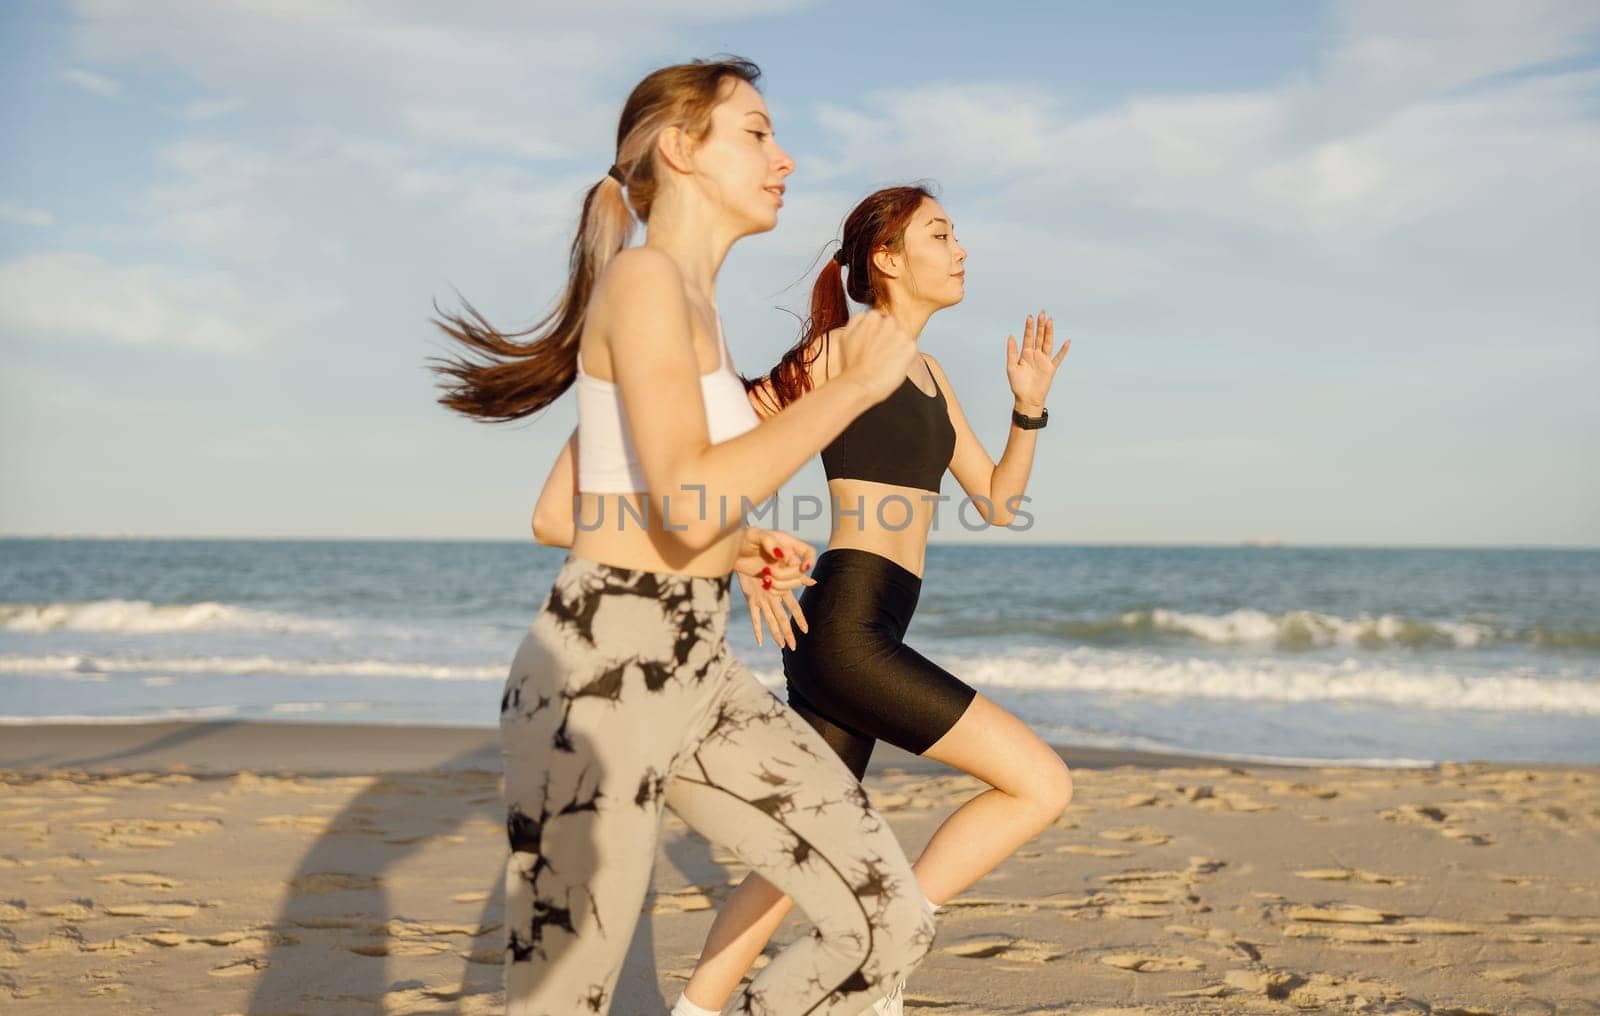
[
  {"x": 886, "y": 262},
  {"x": 673, "y": 147}
]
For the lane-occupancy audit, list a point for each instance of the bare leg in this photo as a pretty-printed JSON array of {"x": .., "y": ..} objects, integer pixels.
[
  {"x": 744, "y": 926},
  {"x": 1031, "y": 787}
]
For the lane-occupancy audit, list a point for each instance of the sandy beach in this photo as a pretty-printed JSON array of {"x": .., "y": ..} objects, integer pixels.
[{"x": 277, "y": 868}]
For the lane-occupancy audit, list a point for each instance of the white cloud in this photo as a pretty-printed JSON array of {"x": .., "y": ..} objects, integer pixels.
[
  {"x": 89, "y": 81},
  {"x": 82, "y": 296},
  {"x": 23, "y": 216},
  {"x": 1339, "y": 163},
  {"x": 482, "y": 76},
  {"x": 209, "y": 109}
]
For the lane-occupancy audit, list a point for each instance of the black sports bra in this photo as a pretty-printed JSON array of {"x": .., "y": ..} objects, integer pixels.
[{"x": 907, "y": 440}]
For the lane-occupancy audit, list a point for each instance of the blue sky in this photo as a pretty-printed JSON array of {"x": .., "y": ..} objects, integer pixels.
[{"x": 1329, "y": 269}]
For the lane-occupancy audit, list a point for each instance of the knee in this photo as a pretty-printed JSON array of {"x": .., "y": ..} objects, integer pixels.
[{"x": 1052, "y": 792}]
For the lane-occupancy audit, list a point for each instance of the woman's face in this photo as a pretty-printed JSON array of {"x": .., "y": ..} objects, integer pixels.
[
  {"x": 740, "y": 164},
  {"x": 935, "y": 264}
]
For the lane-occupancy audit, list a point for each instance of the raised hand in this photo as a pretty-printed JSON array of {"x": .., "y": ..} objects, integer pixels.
[{"x": 1031, "y": 369}]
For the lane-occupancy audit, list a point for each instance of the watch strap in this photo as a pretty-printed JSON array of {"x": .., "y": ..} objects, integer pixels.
[{"x": 1030, "y": 422}]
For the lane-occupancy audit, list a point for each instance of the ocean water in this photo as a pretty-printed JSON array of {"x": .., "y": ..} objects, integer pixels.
[{"x": 1363, "y": 655}]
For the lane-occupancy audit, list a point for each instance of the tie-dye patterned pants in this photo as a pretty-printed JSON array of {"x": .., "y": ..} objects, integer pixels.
[{"x": 623, "y": 699}]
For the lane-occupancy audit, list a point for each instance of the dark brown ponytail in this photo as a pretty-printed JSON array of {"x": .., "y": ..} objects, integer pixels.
[{"x": 878, "y": 223}]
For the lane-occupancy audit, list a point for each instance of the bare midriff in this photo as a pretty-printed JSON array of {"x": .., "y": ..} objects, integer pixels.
[
  {"x": 616, "y": 529},
  {"x": 892, "y": 521}
]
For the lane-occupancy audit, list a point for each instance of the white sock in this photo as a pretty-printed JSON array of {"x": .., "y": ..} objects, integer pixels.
[{"x": 684, "y": 1007}]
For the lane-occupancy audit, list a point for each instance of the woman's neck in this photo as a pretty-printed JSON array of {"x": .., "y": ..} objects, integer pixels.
[
  {"x": 912, "y": 317},
  {"x": 693, "y": 239}
]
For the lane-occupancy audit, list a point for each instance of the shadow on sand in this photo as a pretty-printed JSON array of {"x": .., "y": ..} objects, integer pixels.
[{"x": 339, "y": 923}]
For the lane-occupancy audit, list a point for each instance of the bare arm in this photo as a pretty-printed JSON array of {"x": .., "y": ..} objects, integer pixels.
[
  {"x": 1030, "y": 371},
  {"x": 553, "y": 523},
  {"x": 652, "y": 357}
]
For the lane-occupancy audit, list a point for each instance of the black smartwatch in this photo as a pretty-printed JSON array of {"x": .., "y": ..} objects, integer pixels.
[{"x": 1030, "y": 422}]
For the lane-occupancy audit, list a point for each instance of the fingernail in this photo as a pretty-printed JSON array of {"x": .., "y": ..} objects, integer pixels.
[
  {"x": 766, "y": 583},
  {"x": 805, "y": 567},
  {"x": 767, "y": 570},
  {"x": 777, "y": 551}
]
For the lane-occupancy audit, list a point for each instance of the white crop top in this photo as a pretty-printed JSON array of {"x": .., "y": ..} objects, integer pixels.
[{"x": 607, "y": 463}]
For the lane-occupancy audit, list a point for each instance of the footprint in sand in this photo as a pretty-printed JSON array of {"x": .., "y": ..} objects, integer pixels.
[
  {"x": 347, "y": 922},
  {"x": 1358, "y": 933},
  {"x": 1339, "y": 913},
  {"x": 143, "y": 879},
  {"x": 73, "y": 910},
  {"x": 1232, "y": 801},
  {"x": 152, "y": 910},
  {"x": 306, "y": 823},
  {"x": 1217, "y": 936},
  {"x": 399, "y": 937},
  {"x": 1143, "y": 876},
  {"x": 1139, "y": 801},
  {"x": 459, "y": 999},
  {"x": 1157, "y": 895},
  {"x": 399, "y": 927},
  {"x": 1148, "y": 963},
  {"x": 256, "y": 941},
  {"x": 241, "y": 967},
  {"x": 321, "y": 883},
  {"x": 1085, "y": 850},
  {"x": 1136, "y": 911},
  {"x": 680, "y": 901},
  {"x": 1349, "y": 875},
  {"x": 1145, "y": 835},
  {"x": 1555, "y": 925},
  {"x": 1023, "y": 950},
  {"x": 1209, "y": 991},
  {"x": 1287, "y": 787},
  {"x": 147, "y": 832},
  {"x": 1436, "y": 926}
]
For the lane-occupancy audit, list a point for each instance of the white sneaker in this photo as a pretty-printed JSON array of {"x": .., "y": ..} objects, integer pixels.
[{"x": 892, "y": 1004}]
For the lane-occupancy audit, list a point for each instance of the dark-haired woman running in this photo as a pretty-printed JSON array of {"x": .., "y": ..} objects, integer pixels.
[{"x": 849, "y": 673}]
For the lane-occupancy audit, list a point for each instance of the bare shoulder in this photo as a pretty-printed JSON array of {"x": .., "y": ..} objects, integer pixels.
[
  {"x": 640, "y": 269},
  {"x": 641, "y": 289}
]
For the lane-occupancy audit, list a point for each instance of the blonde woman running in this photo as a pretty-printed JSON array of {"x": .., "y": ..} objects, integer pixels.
[{"x": 624, "y": 698}]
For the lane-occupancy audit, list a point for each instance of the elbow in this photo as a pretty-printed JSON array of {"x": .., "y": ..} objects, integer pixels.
[
  {"x": 550, "y": 531},
  {"x": 688, "y": 511}
]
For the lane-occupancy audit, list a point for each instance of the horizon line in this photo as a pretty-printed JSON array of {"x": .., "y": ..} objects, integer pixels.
[{"x": 1262, "y": 543}]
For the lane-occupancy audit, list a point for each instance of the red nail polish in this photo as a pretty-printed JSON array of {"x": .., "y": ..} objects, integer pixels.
[
  {"x": 777, "y": 551},
  {"x": 766, "y": 583},
  {"x": 767, "y": 570},
  {"x": 805, "y": 567}
]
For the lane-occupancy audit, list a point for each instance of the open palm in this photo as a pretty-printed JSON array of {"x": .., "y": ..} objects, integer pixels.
[{"x": 1031, "y": 369}]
